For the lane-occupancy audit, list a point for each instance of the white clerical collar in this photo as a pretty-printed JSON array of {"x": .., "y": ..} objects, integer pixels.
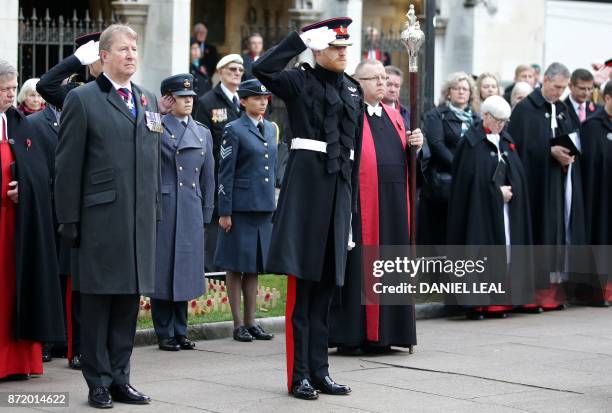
[
  {"x": 117, "y": 85},
  {"x": 228, "y": 93},
  {"x": 255, "y": 120}
]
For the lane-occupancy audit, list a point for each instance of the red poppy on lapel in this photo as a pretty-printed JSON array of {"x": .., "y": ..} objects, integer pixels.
[
  {"x": 512, "y": 146},
  {"x": 143, "y": 100},
  {"x": 28, "y": 143}
]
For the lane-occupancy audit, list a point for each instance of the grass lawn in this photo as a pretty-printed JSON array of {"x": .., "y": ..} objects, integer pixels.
[{"x": 271, "y": 281}]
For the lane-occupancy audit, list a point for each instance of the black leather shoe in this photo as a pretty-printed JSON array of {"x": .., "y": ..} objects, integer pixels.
[
  {"x": 125, "y": 393},
  {"x": 242, "y": 334},
  {"x": 100, "y": 398},
  {"x": 168, "y": 344},
  {"x": 259, "y": 333},
  {"x": 75, "y": 363},
  {"x": 328, "y": 386},
  {"x": 303, "y": 389},
  {"x": 184, "y": 343}
]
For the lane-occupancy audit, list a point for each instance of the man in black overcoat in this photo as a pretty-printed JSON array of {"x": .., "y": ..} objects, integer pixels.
[
  {"x": 107, "y": 194},
  {"x": 312, "y": 220}
]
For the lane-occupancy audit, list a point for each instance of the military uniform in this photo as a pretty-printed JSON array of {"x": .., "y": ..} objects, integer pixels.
[
  {"x": 188, "y": 186},
  {"x": 215, "y": 110},
  {"x": 312, "y": 220},
  {"x": 246, "y": 190}
]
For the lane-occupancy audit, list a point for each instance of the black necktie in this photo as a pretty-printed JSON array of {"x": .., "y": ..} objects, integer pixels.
[
  {"x": 236, "y": 102},
  {"x": 184, "y": 123},
  {"x": 260, "y": 126}
]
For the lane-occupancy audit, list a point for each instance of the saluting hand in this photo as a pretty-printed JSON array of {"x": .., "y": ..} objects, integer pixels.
[
  {"x": 88, "y": 53},
  {"x": 562, "y": 155},
  {"x": 165, "y": 104},
  {"x": 415, "y": 138},
  {"x": 319, "y": 38},
  {"x": 13, "y": 193},
  {"x": 506, "y": 191},
  {"x": 225, "y": 222}
]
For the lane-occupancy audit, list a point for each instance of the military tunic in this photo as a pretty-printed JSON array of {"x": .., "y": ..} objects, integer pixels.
[{"x": 246, "y": 192}]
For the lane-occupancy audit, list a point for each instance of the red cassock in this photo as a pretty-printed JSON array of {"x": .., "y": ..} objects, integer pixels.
[
  {"x": 16, "y": 357},
  {"x": 369, "y": 208}
]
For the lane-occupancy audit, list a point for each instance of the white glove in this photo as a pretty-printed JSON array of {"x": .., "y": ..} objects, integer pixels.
[
  {"x": 319, "y": 38},
  {"x": 88, "y": 53}
]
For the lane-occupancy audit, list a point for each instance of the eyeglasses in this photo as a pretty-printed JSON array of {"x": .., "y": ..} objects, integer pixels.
[{"x": 236, "y": 69}]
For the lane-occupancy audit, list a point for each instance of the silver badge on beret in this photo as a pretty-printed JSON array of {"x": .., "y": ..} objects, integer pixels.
[
  {"x": 609, "y": 136},
  {"x": 263, "y": 88}
]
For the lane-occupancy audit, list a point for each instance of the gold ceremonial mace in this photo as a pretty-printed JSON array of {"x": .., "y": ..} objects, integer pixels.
[{"x": 412, "y": 38}]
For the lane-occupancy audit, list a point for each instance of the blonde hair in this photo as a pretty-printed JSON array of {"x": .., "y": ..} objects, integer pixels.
[
  {"x": 453, "y": 80},
  {"x": 477, "y": 97},
  {"x": 110, "y": 33},
  {"x": 522, "y": 68},
  {"x": 28, "y": 88}
]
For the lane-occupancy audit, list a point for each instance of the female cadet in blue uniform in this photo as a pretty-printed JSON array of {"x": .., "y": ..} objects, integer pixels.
[
  {"x": 187, "y": 202},
  {"x": 246, "y": 203}
]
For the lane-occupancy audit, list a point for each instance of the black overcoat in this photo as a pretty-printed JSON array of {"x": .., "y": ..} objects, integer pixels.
[{"x": 107, "y": 180}]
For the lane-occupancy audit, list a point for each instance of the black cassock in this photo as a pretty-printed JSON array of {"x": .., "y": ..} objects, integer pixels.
[
  {"x": 597, "y": 148},
  {"x": 530, "y": 127},
  {"x": 476, "y": 213},
  {"x": 396, "y": 323}
]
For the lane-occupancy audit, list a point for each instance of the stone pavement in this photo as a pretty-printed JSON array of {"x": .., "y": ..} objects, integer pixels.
[{"x": 558, "y": 361}]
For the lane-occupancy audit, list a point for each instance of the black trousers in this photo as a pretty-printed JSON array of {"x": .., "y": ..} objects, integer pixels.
[
  {"x": 307, "y": 321},
  {"x": 307, "y": 328},
  {"x": 169, "y": 318},
  {"x": 108, "y": 328}
]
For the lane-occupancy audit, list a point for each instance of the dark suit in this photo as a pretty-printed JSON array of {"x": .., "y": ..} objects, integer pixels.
[
  {"x": 215, "y": 111},
  {"x": 589, "y": 109},
  {"x": 107, "y": 181}
]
